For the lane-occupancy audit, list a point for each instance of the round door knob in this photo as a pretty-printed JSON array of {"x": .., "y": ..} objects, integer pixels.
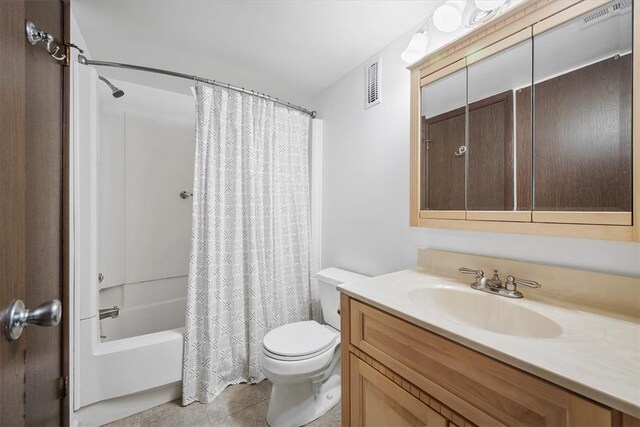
[{"x": 17, "y": 317}]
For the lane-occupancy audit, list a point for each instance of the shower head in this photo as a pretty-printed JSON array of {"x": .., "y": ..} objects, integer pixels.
[{"x": 115, "y": 91}]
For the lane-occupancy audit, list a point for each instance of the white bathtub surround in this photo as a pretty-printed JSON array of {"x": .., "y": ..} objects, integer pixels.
[
  {"x": 145, "y": 308},
  {"x": 139, "y": 364},
  {"x": 117, "y": 368},
  {"x": 145, "y": 159},
  {"x": 250, "y": 261},
  {"x": 106, "y": 411}
]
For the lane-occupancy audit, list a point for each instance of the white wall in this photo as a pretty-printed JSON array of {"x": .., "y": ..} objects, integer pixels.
[{"x": 366, "y": 190}]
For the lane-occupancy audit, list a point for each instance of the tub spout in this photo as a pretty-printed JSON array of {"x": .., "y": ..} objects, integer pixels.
[{"x": 109, "y": 313}]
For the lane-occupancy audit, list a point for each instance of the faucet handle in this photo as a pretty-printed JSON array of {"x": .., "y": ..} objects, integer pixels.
[
  {"x": 512, "y": 283},
  {"x": 477, "y": 273}
]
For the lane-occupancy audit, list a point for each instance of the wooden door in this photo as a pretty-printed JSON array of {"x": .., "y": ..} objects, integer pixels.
[
  {"x": 443, "y": 170},
  {"x": 33, "y": 219},
  {"x": 377, "y": 401}
]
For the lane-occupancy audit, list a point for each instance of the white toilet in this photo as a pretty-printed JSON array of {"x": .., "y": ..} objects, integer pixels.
[{"x": 302, "y": 359}]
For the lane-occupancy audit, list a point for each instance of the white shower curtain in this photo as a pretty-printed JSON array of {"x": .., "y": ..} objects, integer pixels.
[{"x": 249, "y": 270}]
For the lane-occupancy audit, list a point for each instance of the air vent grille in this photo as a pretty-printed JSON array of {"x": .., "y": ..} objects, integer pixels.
[
  {"x": 372, "y": 91},
  {"x": 617, "y": 8}
]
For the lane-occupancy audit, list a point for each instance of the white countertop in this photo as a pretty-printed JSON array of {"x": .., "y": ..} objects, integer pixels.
[{"x": 596, "y": 356}]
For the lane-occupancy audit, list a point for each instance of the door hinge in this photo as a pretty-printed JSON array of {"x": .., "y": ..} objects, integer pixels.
[{"x": 63, "y": 387}]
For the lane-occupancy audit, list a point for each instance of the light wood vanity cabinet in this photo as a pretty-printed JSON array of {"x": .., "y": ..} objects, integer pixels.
[
  {"x": 397, "y": 374},
  {"x": 377, "y": 400}
]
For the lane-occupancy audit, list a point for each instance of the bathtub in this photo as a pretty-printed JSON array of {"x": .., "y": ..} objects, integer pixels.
[
  {"x": 136, "y": 358},
  {"x": 145, "y": 308}
]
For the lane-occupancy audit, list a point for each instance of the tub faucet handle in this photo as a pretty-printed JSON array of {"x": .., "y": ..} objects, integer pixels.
[{"x": 106, "y": 313}]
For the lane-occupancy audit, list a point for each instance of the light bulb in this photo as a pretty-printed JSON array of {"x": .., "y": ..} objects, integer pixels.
[
  {"x": 416, "y": 48},
  {"x": 488, "y": 5},
  {"x": 448, "y": 17}
]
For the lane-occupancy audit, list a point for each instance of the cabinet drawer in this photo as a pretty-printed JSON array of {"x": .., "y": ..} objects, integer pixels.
[
  {"x": 482, "y": 389},
  {"x": 378, "y": 401}
]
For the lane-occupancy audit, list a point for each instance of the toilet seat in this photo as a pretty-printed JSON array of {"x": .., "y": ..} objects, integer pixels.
[{"x": 299, "y": 341}]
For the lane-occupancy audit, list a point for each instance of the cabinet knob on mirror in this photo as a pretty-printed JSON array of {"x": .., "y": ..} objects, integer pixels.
[
  {"x": 461, "y": 150},
  {"x": 16, "y": 317}
]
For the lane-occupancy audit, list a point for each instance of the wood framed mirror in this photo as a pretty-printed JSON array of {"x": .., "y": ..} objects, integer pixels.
[
  {"x": 526, "y": 125},
  {"x": 582, "y": 128}
]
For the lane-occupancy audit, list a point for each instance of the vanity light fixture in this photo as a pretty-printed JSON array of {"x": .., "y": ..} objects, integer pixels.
[
  {"x": 488, "y": 4},
  {"x": 416, "y": 48},
  {"x": 449, "y": 17}
]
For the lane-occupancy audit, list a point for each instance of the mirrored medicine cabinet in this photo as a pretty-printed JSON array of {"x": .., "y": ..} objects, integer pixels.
[{"x": 527, "y": 126}]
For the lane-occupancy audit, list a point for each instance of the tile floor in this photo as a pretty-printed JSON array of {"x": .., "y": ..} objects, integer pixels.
[{"x": 238, "y": 405}]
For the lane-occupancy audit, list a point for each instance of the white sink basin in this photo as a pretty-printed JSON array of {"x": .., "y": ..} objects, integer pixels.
[{"x": 484, "y": 311}]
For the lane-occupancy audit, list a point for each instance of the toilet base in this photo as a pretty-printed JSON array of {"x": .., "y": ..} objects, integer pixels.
[
  {"x": 302, "y": 390},
  {"x": 294, "y": 405}
]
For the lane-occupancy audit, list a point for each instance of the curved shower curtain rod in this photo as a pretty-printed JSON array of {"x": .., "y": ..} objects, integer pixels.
[{"x": 83, "y": 60}]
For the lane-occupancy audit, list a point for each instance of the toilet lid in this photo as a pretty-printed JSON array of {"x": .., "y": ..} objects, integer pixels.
[{"x": 299, "y": 339}]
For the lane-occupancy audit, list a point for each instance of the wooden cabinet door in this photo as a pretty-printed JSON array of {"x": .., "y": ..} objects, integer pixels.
[{"x": 377, "y": 401}]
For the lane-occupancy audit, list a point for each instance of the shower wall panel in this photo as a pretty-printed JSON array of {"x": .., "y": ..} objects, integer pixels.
[
  {"x": 159, "y": 160},
  {"x": 111, "y": 207},
  {"x": 146, "y": 158}
]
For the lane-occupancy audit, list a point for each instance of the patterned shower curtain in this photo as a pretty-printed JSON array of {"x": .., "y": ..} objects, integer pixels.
[{"x": 249, "y": 270}]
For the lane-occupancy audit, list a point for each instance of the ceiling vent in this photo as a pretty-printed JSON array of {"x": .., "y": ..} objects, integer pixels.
[
  {"x": 372, "y": 79},
  {"x": 617, "y": 8}
]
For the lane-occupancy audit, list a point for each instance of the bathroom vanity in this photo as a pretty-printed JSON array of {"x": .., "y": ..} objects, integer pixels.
[{"x": 421, "y": 347}]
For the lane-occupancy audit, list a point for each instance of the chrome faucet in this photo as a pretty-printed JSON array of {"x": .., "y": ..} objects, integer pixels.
[
  {"x": 481, "y": 281},
  {"x": 494, "y": 283},
  {"x": 495, "y": 286}
]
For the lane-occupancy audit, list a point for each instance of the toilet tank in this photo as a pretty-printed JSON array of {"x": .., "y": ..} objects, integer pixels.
[{"x": 328, "y": 279}]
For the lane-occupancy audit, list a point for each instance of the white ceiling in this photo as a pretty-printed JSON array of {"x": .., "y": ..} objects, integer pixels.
[{"x": 289, "y": 49}]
